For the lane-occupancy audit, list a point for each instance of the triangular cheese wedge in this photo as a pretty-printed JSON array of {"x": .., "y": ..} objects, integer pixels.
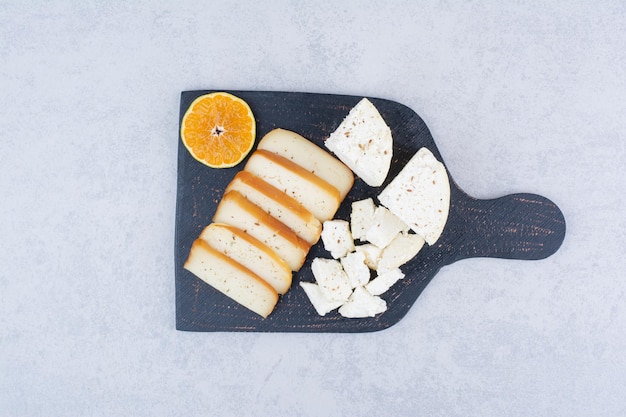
[
  {"x": 363, "y": 142},
  {"x": 420, "y": 195}
]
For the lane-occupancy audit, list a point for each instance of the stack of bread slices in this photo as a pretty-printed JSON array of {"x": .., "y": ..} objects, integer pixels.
[{"x": 270, "y": 215}]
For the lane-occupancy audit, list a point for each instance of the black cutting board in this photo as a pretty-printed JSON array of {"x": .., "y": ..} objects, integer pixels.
[{"x": 519, "y": 226}]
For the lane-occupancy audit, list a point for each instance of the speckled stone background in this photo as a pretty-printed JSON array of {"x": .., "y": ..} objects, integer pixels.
[{"x": 520, "y": 97}]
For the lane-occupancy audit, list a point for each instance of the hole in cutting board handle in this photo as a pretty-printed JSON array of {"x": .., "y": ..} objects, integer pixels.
[{"x": 517, "y": 226}]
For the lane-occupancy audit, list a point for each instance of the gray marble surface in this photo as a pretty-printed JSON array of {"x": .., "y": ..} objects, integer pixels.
[{"x": 520, "y": 97}]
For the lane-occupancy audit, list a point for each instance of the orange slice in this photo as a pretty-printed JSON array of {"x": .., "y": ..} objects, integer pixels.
[{"x": 218, "y": 129}]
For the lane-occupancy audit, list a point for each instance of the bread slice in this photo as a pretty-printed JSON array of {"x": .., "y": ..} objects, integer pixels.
[
  {"x": 235, "y": 210},
  {"x": 364, "y": 143},
  {"x": 316, "y": 195},
  {"x": 231, "y": 278},
  {"x": 420, "y": 195},
  {"x": 250, "y": 253},
  {"x": 277, "y": 204},
  {"x": 309, "y": 156}
]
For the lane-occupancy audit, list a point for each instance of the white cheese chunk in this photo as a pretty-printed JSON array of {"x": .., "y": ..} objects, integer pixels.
[
  {"x": 331, "y": 278},
  {"x": 354, "y": 266},
  {"x": 361, "y": 217},
  {"x": 363, "y": 142},
  {"x": 384, "y": 228},
  {"x": 401, "y": 250},
  {"x": 384, "y": 281},
  {"x": 372, "y": 254},
  {"x": 362, "y": 304},
  {"x": 337, "y": 238},
  {"x": 420, "y": 195},
  {"x": 321, "y": 304}
]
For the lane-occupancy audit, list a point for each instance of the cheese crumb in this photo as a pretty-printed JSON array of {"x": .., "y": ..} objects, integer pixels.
[
  {"x": 402, "y": 249},
  {"x": 332, "y": 279},
  {"x": 372, "y": 254},
  {"x": 362, "y": 304},
  {"x": 354, "y": 266},
  {"x": 384, "y": 228},
  {"x": 337, "y": 238},
  {"x": 384, "y": 281},
  {"x": 321, "y": 304},
  {"x": 361, "y": 217}
]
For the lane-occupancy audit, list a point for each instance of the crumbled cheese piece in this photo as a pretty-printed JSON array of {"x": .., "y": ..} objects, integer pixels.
[
  {"x": 321, "y": 304},
  {"x": 361, "y": 217},
  {"x": 384, "y": 228},
  {"x": 401, "y": 250},
  {"x": 332, "y": 279},
  {"x": 384, "y": 281},
  {"x": 372, "y": 254},
  {"x": 420, "y": 195},
  {"x": 364, "y": 143},
  {"x": 354, "y": 266},
  {"x": 344, "y": 281},
  {"x": 362, "y": 304},
  {"x": 337, "y": 238}
]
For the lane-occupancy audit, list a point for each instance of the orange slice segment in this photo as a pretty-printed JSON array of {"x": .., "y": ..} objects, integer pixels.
[{"x": 218, "y": 129}]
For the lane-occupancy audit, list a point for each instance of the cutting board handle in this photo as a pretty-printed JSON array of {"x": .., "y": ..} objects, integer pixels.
[{"x": 516, "y": 226}]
